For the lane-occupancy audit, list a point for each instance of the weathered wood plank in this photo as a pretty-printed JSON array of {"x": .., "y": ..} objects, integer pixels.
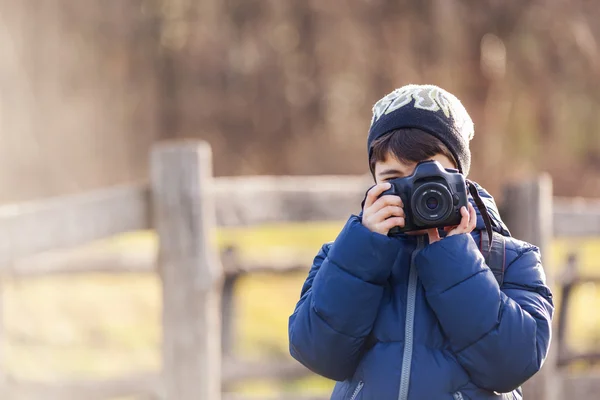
[
  {"x": 263, "y": 199},
  {"x": 191, "y": 273},
  {"x": 576, "y": 217},
  {"x": 571, "y": 357},
  {"x": 83, "y": 261},
  {"x": 31, "y": 228},
  {"x": 75, "y": 262}
]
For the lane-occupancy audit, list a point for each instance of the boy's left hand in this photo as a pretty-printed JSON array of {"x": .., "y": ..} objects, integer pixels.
[{"x": 467, "y": 224}]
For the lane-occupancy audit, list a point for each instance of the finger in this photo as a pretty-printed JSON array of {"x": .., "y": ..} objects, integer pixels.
[
  {"x": 375, "y": 192},
  {"x": 434, "y": 235},
  {"x": 389, "y": 211},
  {"x": 472, "y": 218},
  {"x": 384, "y": 201},
  {"x": 392, "y": 222},
  {"x": 464, "y": 223}
]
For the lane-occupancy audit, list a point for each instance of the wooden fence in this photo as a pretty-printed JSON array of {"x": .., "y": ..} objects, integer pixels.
[{"x": 185, "y": 204}]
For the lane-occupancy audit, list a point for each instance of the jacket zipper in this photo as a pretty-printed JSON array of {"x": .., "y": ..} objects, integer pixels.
[
  {"x": 458, "y": 396},
  {"x": 357, "y": 390},
  {"x": 409, "y": 326}
]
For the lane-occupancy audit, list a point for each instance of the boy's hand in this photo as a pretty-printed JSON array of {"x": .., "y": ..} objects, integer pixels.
[
  {"x": 467, "y": 224},
  {"x": 382, "y": 214}
]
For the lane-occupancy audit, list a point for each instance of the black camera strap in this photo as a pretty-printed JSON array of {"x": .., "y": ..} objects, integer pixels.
[{"x": 483, "y": 210}]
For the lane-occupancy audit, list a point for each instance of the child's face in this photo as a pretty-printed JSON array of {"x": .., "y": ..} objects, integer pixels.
[{"x": 391, "y": 168}]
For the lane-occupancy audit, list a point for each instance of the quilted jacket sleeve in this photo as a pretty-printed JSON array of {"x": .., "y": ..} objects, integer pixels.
[
  {"x": 339, "y": 301},
  {"x": 501, "y": 336}
]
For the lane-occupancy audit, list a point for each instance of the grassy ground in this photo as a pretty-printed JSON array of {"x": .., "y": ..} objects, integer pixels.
[{"x": 102, "y": 326}]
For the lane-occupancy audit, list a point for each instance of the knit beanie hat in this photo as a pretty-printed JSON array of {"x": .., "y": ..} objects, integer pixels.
[{"x": 430, "y": 109}]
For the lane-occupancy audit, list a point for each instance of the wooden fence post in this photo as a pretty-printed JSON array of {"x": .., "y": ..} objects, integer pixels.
[
  {"x": 190, "y": 270},
  {"x": 229, "y": 260},
  {"x": 568, "y": 283},
  {"x": 3, "y": 380},
  {"x": 529, "y": 216}
]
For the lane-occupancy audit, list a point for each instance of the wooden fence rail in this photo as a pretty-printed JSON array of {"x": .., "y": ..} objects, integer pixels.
[
  {"x": 71, "y": 221},
  {"x": 185, "y": 204}
]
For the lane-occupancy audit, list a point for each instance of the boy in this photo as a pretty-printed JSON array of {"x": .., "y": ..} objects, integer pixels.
[{"x": 420, "y": 315}]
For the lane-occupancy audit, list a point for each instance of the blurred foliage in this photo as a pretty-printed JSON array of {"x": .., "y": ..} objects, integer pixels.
[{"x": 286, "y": 87}]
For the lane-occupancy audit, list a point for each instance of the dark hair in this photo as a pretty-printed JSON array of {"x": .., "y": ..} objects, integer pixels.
[{"x": 407, "y": 145}]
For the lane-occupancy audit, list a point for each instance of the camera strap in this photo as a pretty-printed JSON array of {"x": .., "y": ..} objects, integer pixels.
[{"x": 482, "y": 210}]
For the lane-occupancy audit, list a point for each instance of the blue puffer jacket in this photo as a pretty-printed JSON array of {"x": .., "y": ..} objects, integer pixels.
[{"x": 397, "y": 319}]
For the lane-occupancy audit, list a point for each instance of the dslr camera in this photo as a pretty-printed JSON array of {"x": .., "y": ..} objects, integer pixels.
[{"x": 432, "y": 197}]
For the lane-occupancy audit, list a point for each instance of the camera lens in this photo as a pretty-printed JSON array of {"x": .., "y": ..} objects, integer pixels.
[{"x": 432, "y": 203}]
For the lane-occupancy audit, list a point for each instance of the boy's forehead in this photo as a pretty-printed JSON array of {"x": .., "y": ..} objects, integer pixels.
[
  {"x": 390, "y": 158},
  {"x": 391, "y": 162}
]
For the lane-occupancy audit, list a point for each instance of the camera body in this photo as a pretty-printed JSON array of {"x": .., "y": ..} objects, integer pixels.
[{"x": 432, "y": 197}]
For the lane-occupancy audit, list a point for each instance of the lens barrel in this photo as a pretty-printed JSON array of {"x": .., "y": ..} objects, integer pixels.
[{"x": 431, "y": 202}]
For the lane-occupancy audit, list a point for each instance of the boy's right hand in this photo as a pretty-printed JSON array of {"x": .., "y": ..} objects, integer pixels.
[{"x": 380, "y": 214}]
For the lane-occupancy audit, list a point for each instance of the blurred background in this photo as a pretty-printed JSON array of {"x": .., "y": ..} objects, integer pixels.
[{"x": 276, "y": 88}]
